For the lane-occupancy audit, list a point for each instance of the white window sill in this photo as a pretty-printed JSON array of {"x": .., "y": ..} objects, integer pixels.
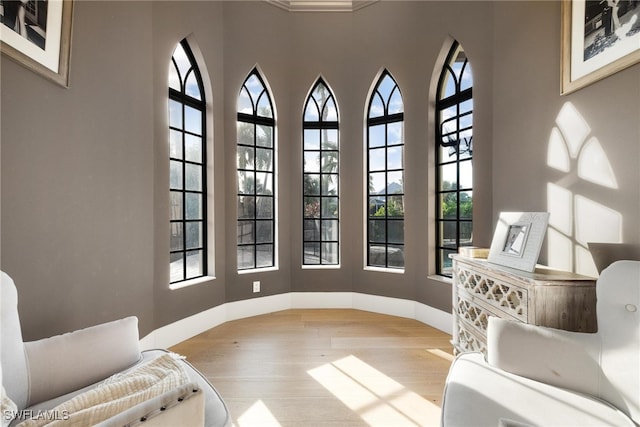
[
  {"x": 385, "y": 270},
  {"x": 190, "y": 282},
  {"x": 257, "y": 270}
]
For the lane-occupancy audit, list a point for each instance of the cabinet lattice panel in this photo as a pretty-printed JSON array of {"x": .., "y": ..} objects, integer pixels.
[{"x": 510, "y": 299}]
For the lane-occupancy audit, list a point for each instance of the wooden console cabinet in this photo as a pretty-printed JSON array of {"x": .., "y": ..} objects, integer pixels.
[{"x": 545, "y": 297}]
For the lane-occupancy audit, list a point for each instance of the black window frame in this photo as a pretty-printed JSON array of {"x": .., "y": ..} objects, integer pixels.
[
  {"x": 444, "y": 249},
  {"x": 385, "y": 119},
  {"x": 200, "y": 105},
  {"x": 254, "y": 222},
  {"x": 317, "y": 239}
]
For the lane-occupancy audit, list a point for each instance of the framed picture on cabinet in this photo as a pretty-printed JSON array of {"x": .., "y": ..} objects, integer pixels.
[
  {"x": 599, "y": 38},
  {"x": 517, "y": 239},
  {"x": 37, "y": 35}
]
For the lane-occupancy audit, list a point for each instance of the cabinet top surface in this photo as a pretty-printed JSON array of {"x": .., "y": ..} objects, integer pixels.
[{"x": 541, "y": 273}]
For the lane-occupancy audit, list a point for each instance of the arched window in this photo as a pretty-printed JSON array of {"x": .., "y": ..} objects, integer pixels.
[
  {"x": 256, "y": 175},
  {"x": 454, "y": 155},
  {"x": 187, "y": 167},
  {"x": 385, "y": 172},
  {"x": 320, "y": 188}
]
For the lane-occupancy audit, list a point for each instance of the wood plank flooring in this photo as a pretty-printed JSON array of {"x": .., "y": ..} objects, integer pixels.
[{"x": 325, "y": 368}]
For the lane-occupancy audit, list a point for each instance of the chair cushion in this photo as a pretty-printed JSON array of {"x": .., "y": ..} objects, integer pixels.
[{"x": 480, "y": 395}]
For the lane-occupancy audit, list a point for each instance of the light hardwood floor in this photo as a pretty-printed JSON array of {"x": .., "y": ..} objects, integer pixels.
[{"x": 325, "y": 368}]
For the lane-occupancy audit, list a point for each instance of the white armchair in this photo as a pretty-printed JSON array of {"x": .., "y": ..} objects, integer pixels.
[
  {"x": 537, "y": 376},
  {"x": 39, "y": 376}
]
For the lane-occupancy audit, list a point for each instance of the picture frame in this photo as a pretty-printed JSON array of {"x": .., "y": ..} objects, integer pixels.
[
  {"x": 517, "y": 239},
  {"x": 598, "y": 40},
  {"x": 38, "y": 36}
]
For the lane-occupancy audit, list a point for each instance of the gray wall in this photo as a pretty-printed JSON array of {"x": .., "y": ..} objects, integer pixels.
[{"x": 84, "y": 206}]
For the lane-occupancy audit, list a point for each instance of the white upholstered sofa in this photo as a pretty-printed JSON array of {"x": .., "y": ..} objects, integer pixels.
[
  {"x": 102, "y": 368},
  {"x": 536, "y": 376}
]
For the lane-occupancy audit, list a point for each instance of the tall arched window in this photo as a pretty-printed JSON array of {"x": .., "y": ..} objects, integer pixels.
[
  {"x": 256, "y": 168},
  {"x": 320, "y": 188},
  {"x": 385, "y": 172},
  {"x": 187, "y": 167},
  {"x": 454, "y": 156}
]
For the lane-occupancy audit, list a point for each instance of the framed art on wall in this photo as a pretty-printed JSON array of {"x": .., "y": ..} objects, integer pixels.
[
  {"x": 37, "y": 35},
  {"x": 518, "y": 238},
  {"x": 599, "y": 38}
]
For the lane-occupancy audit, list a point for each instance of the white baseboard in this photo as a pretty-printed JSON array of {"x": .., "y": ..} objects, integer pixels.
[{"x": 188, "y": 327}]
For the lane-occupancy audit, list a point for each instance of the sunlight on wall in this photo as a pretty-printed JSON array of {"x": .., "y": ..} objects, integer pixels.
[
  {"x": 576, "y": 219},
  {"x": 257, "y": 415},
  {"x": 378, "y": 399}
]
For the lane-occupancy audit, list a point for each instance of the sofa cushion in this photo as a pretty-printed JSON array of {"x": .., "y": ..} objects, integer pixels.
[{"x": 477, "y": 394}]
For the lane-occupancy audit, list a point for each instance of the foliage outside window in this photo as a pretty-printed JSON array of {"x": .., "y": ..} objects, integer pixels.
[
  {"x": 321, "y": 227},
  {"x": 385, "y": 175},
  {"x": 454, "y": 158},
  {"x": 255, "y": 175},
  {"x": 187, "y": 167}
]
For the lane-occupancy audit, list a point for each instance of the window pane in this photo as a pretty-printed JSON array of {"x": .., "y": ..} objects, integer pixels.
[
  {"x": 181, "y": 60},
  {"x": 175, "y": 174},
  {"x": 176, "y": 267},
  {"x": 377, "y": 230},
  {"x": 330, "y": 113},
  {"x": 377, "y": 106},
  {"x": 245, "y": 232},
  {"x": 377, "y": 159},
  {"x": 395, "y": 103},
  {"x": 311, "y": 184},
  {"x": 330, "y": 139},
  {"x": 395, "y": 133},
  {"x": 194, "y": 235},
  {"x": 264, "y": 231},
  {"x": 192, "y": 88},
  {"x": 193, "y": 119},
  {"x": 245, "y": 257},
  {"x": 449, "y": 204},
  {"x": 265, "y": 256},
  {"x": 330, "y": 185},
  {"x": 175, "y": 144},
  {"x": 377, "y": 137},
  {"x": 194, "y": 206},
  {"x": 264, "y": 208},
  {"x": 193, "y": 177},
  {"x": 395, "y": 207},
  {"x": 466, "y": 205},
  {"x": 395, "y": 158},
  {"x": 264, "y": 106},
  {"x": 176, "y": 205},
  {"x": 175, "y": 114},
  {"x": 264, "y": 136},
  {"x": 193, "y": 148},
  {"x": 396, "y": 256},
  {"x": 466, "y": 174},
  {"x": 245, "y": 182},
  {"x": 245, "y": 104},
  {"x": 245, "y": 157},
  {"x": 448, "y": 177},
  {"x": 377, "y": 256},
  {"x": 311, "y": 139},
  {"x": 395, "y": 182},
  {"x": 329, "y": 253},
  {"x": 377, "y": 183},
  {"x": 330, "y": 162},
  {"x": 194, "y": 264},
  {"x": 311, "y": 253},
  {"x": 264, "y": 183},
  {"x": 312, "y": 161},
  {"x": 246, "y": 207},
  {"x": 174, "y": 78},
  {"x": 312, "y": 207},
  {"x": 264, "y": 159},
  {"x": 396, "y": 232},
  {"x": 311, "y": 229},
  {"x": 177, "y": 241},
  {"x": 330, "y": 229},
  {"x": 311, "y": 112},
  {"x": 449, "y": 233},
  {"x": 330, "y": 207},
  {"x": 377, "y": 206},
  {"x": 246, "y": 133}
]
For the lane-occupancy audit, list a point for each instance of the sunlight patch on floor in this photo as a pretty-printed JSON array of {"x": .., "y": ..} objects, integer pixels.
[
  {"x": 257, "y": 415},
  {"x": 378, "y": 399},
  {"x": 441, "y": 354}
]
